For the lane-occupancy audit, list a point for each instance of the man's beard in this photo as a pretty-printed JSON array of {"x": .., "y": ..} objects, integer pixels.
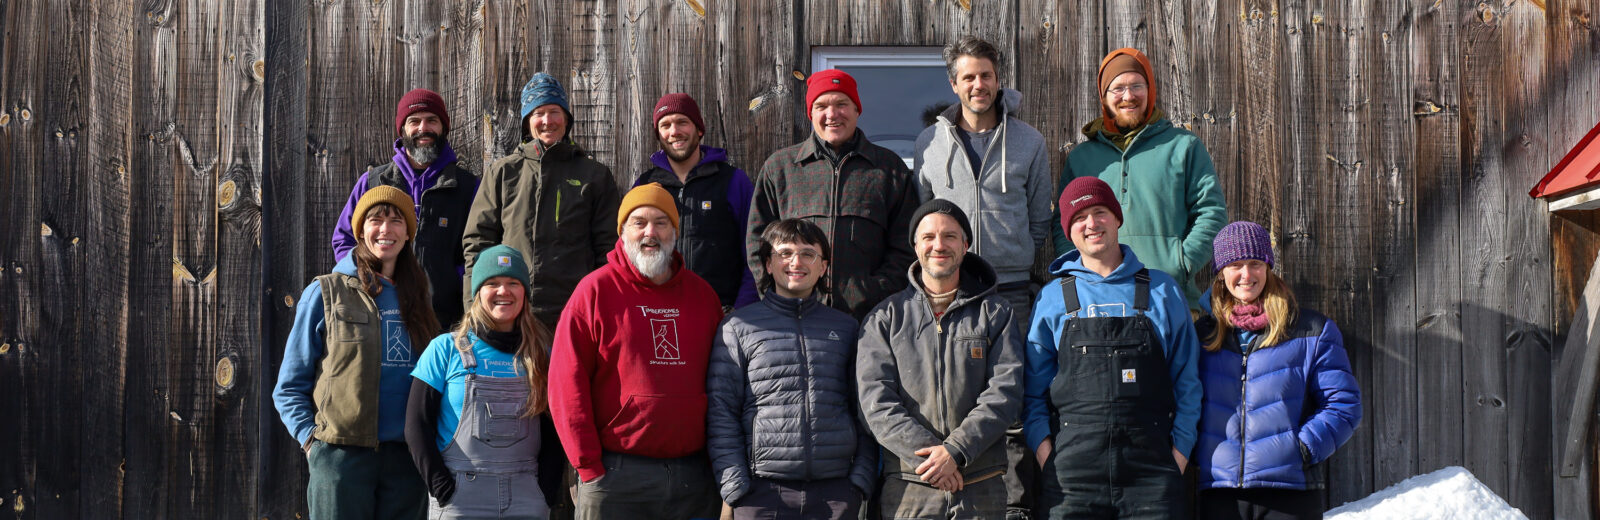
[
  {"x": 1125, "y": 123},
  {"x": 423, "y": 154},
  {"x": 675, "y": 156},
  {"x": 650, "y": 264}
]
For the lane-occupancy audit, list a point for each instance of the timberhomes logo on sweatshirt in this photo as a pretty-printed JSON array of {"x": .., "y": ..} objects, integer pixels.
[{"x": 663, "y": 335}]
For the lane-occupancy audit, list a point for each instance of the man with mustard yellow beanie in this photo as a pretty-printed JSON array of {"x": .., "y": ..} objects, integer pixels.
[{"x": 628, "y": 373}]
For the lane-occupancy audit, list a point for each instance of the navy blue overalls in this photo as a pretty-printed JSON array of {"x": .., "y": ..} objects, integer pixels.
[{"x": 1113, "y": 407}]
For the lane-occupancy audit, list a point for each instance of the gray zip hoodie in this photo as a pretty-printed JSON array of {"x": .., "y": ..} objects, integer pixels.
[{"x": 1009, "y": 204}]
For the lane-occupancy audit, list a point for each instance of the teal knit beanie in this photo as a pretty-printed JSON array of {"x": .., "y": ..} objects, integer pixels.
[{"x": 501, "y": 260}]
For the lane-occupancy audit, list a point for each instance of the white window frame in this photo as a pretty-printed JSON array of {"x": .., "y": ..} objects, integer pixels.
[{"x": 834, "y": 56}]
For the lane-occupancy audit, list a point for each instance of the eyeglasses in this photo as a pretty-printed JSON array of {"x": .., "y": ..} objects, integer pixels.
[
  {"x": 1136, "y": 89},
  {"x": 806, "y": 257}
]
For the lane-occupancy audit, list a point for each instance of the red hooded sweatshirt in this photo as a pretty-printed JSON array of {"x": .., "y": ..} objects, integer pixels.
[{"x": 628, "y": 369}]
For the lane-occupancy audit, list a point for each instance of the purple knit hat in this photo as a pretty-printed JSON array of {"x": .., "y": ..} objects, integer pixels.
[{"x": 1242, "y": 240}]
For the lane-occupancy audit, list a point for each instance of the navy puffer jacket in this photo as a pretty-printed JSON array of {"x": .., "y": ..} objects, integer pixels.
[
  {"x": 1269, "y": 416},
  {"x": 782, "y": 397}
]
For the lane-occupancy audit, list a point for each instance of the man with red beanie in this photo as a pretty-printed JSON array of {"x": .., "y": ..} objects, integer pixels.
[
  {"x": 713, "y": 199},
  {"x": 424, "y": 167},
  {"x": 628, "y": 373},
  {"x": 1111, "y": 397},
  {"x": 1160, "y": 173},
  {"x": 860, "y": 194}
]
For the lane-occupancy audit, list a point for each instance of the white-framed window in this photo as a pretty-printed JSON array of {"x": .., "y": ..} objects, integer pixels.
[{"x": 899, "y": 86}]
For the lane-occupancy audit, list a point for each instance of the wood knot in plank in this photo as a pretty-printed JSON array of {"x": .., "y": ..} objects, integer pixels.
[
  {"x": 966, "y": 5},
  {"x": 224, "y": 373},
  {"x": 226, "y": 193},
  {"x": 5, "y": 348},
  {"x": 45, "y": 231},
  {"x": 288, "y": 301},
  {"x": 1580, "y": 17},
  {"x": 5, "y": 119},
  {"x": 26, "y": 114}
]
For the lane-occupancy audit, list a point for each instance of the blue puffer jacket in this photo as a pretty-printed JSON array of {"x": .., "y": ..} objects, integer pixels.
[{"x": 1297, "y": 403}]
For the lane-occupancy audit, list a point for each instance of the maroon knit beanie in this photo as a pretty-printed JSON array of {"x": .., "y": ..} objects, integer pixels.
[
  {"x": 1083, "y": 193},
  {"x": 831, "y": 80},
  {"x": 678, "y": 103},
  {"x": 420, "y": 100}
]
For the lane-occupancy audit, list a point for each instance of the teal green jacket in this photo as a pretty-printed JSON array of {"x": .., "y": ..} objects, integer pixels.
[{"x": 1172, "y": 204}]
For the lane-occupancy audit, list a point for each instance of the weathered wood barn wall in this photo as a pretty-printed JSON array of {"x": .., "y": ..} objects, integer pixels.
[{"x": 170, "y": 172}]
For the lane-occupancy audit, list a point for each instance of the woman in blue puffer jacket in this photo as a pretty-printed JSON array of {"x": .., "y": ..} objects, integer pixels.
[{"x": 1279, "y": 393}]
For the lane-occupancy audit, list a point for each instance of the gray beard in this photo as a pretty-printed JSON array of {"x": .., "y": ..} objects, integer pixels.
[
  {"x": 423, "y": 154},
  {"x": 651, "y": 265}
]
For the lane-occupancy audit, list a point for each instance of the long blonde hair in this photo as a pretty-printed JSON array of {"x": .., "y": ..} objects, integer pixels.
[
  {"x": 533, "y": 354},
  {"x": 1276, "y": 299}
]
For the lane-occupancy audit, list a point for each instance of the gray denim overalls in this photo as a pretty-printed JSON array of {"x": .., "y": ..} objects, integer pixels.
[{"x": 494, "y": 453}]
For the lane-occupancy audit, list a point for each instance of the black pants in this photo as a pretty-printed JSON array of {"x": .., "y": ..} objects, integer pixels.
[
  {"x": 1109, "y": 471},
  {"x": 642, "y": 488},
  {"x": 1260, "y": 504},
  {"x": 833, "y": 499}
]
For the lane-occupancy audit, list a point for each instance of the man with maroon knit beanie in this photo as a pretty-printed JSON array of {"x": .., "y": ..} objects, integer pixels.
[
  {"x": 628, "y": 373},
  {"x": 859, "y": 193},
  {"x": 713, "y": 199},
  {"x": 424, "y": 167},
  {"x": 1111, "y": 397}
]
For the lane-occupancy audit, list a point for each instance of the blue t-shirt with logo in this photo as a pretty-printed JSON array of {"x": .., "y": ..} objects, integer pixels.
[{"x": 441, "y": 368}]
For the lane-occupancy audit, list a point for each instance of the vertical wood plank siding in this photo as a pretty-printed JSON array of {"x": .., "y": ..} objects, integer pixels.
[{"x": 171, "y": 173}]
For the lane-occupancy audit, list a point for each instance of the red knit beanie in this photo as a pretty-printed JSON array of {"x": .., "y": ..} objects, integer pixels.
[
  {"x": 831, "y": 80},
  {"x": 420, "y": 100},
  {"x": 678, "y": 103},
  {"x": 1083, "y": 193}
]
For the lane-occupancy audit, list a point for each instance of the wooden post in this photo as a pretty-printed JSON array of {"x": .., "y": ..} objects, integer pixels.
[{"x": 1576, "y": 382}]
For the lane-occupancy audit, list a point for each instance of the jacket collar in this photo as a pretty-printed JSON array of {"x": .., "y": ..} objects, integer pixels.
[
  {"x": 796, "y": 307},
  {"x": 561, "y": 151},
  {"x": 662, "y": 167},
  {"x": 977, "y": 280},
  {"x": 811, "y": 149}
]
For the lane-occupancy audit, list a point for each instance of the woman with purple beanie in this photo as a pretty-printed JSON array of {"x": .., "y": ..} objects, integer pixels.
[{"x": 1280, "y": 396}]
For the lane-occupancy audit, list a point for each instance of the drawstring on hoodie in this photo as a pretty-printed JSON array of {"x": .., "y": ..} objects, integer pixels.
[{"x": 949, "y": 159}]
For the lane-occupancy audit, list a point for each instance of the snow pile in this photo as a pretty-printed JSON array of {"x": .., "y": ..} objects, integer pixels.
[{"x": 1448, "y": 493}]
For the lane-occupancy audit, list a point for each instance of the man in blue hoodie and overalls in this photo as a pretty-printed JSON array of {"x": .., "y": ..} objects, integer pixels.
[{"x": 1112, "y": 395}]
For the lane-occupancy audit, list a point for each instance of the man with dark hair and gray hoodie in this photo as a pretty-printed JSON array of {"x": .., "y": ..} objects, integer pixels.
[
  {"x": 549, "y": 199},
  {"x": 992, "y": 165},
  {"x": 782, "y": 425},
  {"x": 939, "y": 373}
]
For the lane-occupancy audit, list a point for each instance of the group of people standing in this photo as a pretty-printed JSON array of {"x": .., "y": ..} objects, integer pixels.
[{"x": 838, "y": 337}]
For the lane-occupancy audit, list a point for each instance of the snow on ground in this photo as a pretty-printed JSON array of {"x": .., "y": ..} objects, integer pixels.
[{"x": 1449, "y": 493}]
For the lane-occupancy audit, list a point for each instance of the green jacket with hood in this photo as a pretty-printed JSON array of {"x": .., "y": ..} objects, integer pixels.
[
  {"x": 1172, "y": 204},
  {"x": 558, "y": 208}
]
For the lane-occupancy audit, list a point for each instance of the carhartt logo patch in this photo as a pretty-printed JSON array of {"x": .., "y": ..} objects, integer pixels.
[
  {"x": 1081, "y": 199},
  {"x": 836, "y": 82},
  {"x": 976, "y": 352},
  {"x": 504, "y": 261},
  {"x": 418, "y": 105},
  {"x": 705, "y": 205},
  {"x": 662, "y": 108},
  {"x": 1130, "y": 376},
  {"x": 444, "y": 222}
]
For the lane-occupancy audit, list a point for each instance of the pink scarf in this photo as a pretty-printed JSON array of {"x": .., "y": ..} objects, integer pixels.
[{"x": 1249, "y": 317}]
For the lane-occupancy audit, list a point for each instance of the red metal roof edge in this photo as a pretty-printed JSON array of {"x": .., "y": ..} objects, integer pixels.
[{"x": 1588, "y": 139}]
